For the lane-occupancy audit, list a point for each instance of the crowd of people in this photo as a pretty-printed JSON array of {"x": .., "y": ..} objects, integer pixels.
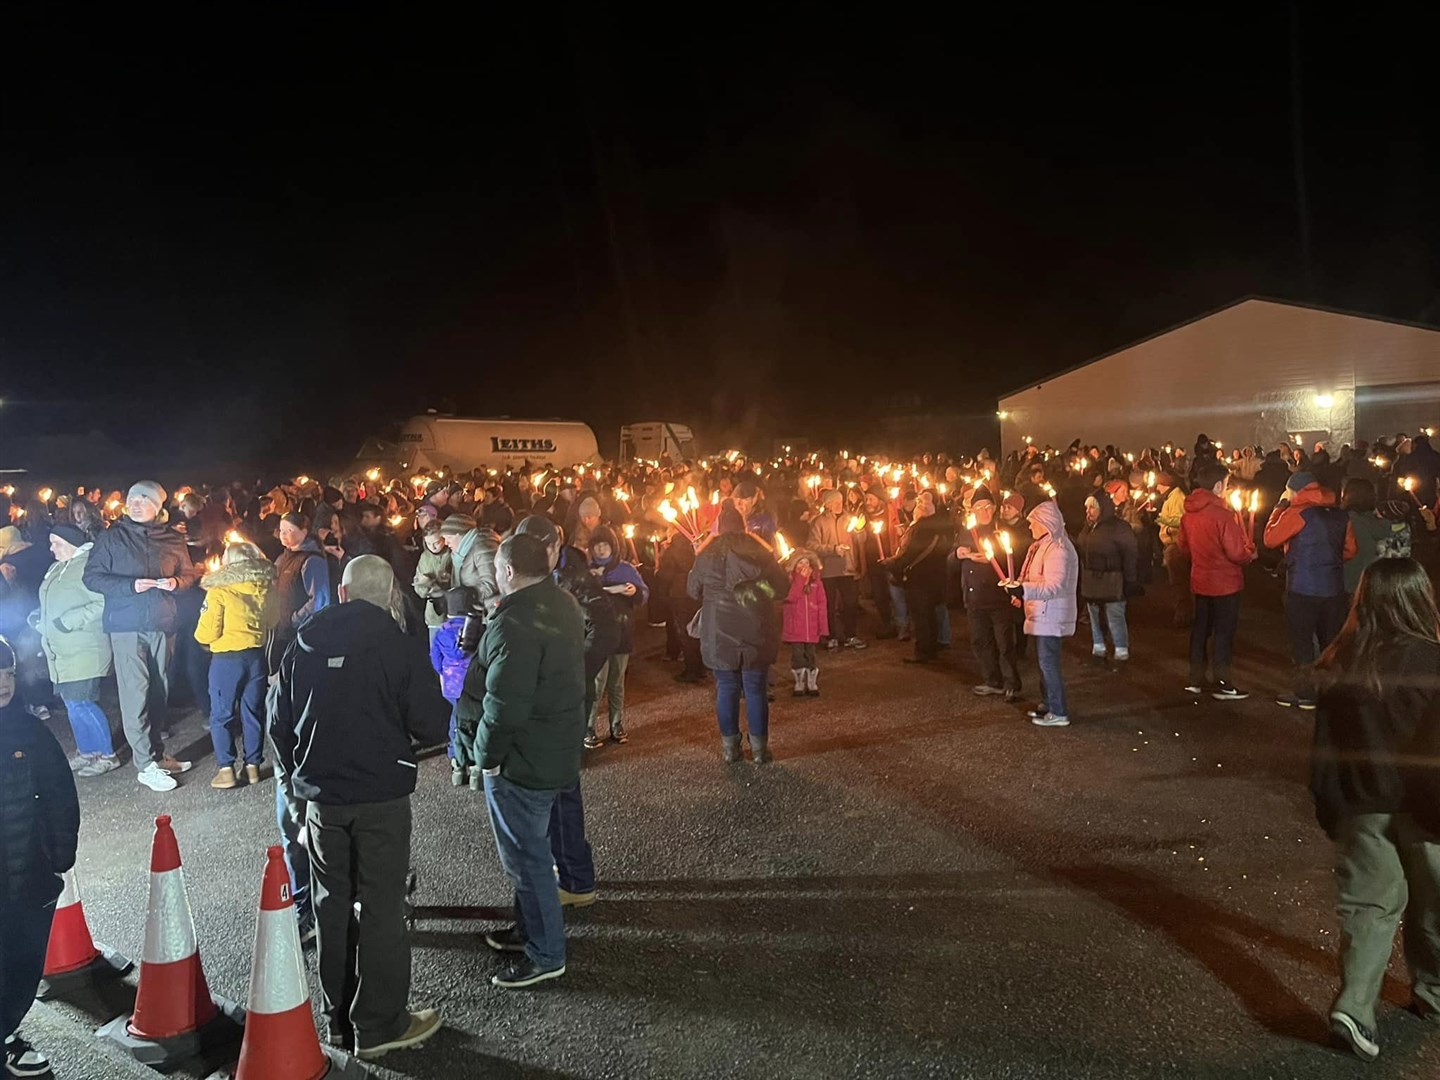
[{"x": 495, "y": 611}]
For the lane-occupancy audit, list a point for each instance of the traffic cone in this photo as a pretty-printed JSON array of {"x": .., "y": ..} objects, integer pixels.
[
  {"x": 280, "y": 1040},
  {"x": 175, "y": 1015},
  {"x": 72, "y": 959}
]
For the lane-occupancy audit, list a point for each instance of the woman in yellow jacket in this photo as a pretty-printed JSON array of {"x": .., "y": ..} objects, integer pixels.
[{"x": 233, "y": 623}]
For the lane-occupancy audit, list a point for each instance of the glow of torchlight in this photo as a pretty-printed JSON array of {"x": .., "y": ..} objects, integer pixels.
[
  {"x": 1028, "y": 440},
  {"x": 629, "y": 531},
  {"x": 46, "y": 494},
  {"x": 1005, "y": 543},
  {"x": 894, "y": 493},
  {"x": 1254, "y": 501},
  {"x": 877, "y": 526},
  {"x": 234, "y": 536},
  {"x": 856, "y": 524},
  {"x": 782, "y": 547},
  {"x": 1237, "y": 502},
  {"x": 1048, "y": 488},
  {"x": 213, "y": 563},
  {"x": 1408, "y": 483},
  {"x": 372, "y": 475},
  {"x": 969, "y": 521},
  {"x": 396, "y": 520}
]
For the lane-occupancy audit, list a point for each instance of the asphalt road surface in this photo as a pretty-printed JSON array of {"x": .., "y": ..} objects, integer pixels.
[{"x": 922, "y": 885}]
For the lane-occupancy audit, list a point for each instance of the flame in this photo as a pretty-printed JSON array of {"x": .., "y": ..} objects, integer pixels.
[
  {"x": 715, "y": 498},
  {"x": 969, "y": 521},
  {"x": 668, "y": 512},
  {"x": 1005, "y": 543},
  {"x": 46, "y": 494},
  {"x": 782, "y": 547},
  {"x": 234, "y": 536},
  {"x": 877, "y": 526},
  {"x": 1408, "y": 483},
  {"x": 1254, "y": 501},
  {"x": 373, "y": 475},
  {"x": 213, "y": 563},
  {"x": 1236, "y": 501},
  {"x": 943, "y": 488},
  {"x": 302, "y": 480},
  {"x": 1150, "y": 479},
  {"x": 855, "y": 524},
  {"x": 894, "y": 493},
  {"x": 989, "y": 548},
  {"x": 396, "y": 520},
  {"x": 629, "y": 531}
]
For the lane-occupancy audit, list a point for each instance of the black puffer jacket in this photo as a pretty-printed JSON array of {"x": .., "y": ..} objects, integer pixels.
[
  {"x": 39, "y": 812},
  {"x": 1108, "y": 551},
  {"x": 127, "y": 551},
  {"x": 924, "y": 553},
  {"x": 738, "y": 583},
  {"x": 1381, "y": 754}
]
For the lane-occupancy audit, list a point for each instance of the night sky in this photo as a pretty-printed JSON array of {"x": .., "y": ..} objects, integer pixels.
[{"x": 265, "y": 232}]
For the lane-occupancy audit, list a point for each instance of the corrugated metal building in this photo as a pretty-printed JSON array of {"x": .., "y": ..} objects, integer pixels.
[{"x": 1258, "y": 371}]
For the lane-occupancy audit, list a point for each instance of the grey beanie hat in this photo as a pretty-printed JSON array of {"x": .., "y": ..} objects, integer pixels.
[{"x": 149, "y": 489}]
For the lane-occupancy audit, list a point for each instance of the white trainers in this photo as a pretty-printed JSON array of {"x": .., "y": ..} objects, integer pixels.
[
  {"x": 156, "y": 778},
  {"x": 1051, "y": 720}
]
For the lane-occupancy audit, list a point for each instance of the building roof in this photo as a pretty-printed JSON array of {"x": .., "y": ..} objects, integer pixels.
[{"x": 1205, "y": 315}]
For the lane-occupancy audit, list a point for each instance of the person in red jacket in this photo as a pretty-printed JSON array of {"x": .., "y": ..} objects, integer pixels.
[{"x": 1218, "y": 548}]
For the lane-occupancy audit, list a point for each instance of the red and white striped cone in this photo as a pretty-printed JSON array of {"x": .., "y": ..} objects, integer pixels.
[
  {"x": 175, "y": 1014},
  {"x": 280, "y": 1040},
  {"x": 72, "y": 958}
]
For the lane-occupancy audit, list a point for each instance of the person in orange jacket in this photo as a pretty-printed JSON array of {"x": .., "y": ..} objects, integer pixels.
[{"x": 1317, "y": 538}]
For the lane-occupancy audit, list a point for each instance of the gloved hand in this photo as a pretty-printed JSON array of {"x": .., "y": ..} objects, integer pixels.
[{"x": 1015, "y": 590}]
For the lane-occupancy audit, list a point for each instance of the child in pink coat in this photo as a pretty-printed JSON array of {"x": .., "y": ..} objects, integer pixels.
[{"x": 807, "y": 622}]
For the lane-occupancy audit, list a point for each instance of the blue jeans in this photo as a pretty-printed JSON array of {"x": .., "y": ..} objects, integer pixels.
[
  {"x": 1115, "y": 617},
  {"x": 90, "y": 726},
  {"x": 574, "y": 862},
  {"x": 520, "y": 820},
  {"x": 899, "y": 606},
  {"x": 290, "y": 815},
  {"x": 728, "y": 687},
  {"x": 238, "y": 676},
  {"x": 1052, "y": 682}
]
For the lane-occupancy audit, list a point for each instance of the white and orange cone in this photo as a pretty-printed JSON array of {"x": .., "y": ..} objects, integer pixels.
[
  {"x": 72, "y": 959},
  {"x": 280, "y": 1038},
  {"x": 174, "y": 1006}
]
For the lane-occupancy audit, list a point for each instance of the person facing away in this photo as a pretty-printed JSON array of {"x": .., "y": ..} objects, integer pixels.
[
  {"x": 137, "y": 565},
  {"x": 450, "y": 659},
  {"x": 528, "y": 678},
  {"x": 39, "y": 828},
  {"x": 1218, "y": 548},
  {"x": 1317, "y": 539},
  {"x": 1375, "y": 778},
  {"x": 234, "y": 620},
  {"x": 352, "y": 692},
  {"x": 1108, "y": 574}
]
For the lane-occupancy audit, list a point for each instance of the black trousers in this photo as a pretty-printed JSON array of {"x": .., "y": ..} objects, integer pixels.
[
  {"x": 1217, "y": 616},
  {"x": 362, "y": 852},
  {"x": 1311, "y": 620},
  {"x": 995, "y": 635},
  {"x": 880, "y": 593},
  {"x": 922, "y": 600},
  {"x": 24, "y": 934},
  {"x": 842, "y": 597}
]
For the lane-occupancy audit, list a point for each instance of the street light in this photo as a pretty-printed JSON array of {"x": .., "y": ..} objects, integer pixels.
[{"x": 1324, "y": 401}]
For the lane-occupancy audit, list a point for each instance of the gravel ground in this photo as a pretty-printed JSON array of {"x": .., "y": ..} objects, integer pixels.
[{"x": 922, "y": 885}]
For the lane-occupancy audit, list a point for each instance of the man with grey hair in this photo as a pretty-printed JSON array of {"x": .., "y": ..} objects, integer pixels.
[
  {"x": 528, "y": 679},
  {"x": 138, "y": 564},
  {"x": 352, "y": 691}
]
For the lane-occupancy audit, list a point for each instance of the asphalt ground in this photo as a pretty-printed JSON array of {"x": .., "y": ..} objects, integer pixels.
[{"x": 923, "y": 884}]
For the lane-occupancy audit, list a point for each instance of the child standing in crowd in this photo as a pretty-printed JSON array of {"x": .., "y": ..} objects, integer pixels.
[
  {"x": 1377, "y": 791},
  {"x": 448, "y": 657},
  {"x": 628, "y": 593},
  {"x": 234, "y": 620},
  {"x": 807, "y": 622}
]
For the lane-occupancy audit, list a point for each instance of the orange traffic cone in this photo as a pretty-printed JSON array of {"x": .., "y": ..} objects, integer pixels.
[
  {"x": 72, "y": 959},
  {"x": 175, "y": 1014},
  {"x": 280, "y": 1040}
]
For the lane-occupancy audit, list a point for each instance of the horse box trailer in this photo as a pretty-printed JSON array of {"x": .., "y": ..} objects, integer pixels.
[
  {"x": 656, "y": 439},
  {"x": 461, "y": 443}
]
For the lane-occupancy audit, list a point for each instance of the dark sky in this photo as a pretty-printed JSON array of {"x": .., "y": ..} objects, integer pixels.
[{"x": 243, "y": 228}]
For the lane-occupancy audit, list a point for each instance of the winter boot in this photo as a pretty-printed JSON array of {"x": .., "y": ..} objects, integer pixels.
[
  {"x": 457, "y": 774},
  {"x": 760, "y": 749},
  {"x": 730, "y": 748},
  {"x": 812, "y": 682},
  {"x": 477, "y": 782},
  {"x": 799, "y": 674}
]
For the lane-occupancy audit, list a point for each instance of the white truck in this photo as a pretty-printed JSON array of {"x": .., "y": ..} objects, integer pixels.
[
  {"x": 652, "y": 440},
  {"x": 435, "y": 441}
]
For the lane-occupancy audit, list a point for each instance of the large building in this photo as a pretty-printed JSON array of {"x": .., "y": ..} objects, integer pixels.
[{"x": 1258, "y": 371}]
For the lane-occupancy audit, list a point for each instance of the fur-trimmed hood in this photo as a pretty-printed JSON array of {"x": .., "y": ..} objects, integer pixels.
[{"x": 244, "y": 572}]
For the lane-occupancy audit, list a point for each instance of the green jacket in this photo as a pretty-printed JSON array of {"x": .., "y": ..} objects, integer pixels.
[
  {"x": 75, "y": 646},
  {"x": 527, "y": 682}
]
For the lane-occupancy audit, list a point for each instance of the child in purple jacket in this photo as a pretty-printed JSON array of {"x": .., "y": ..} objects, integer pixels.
[{"x": 451, "y": 662}]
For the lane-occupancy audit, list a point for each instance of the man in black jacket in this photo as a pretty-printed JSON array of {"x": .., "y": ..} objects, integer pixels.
[
  {"x": 570, "y": 570},
  {"x": 352, "y": 691},
  {"x": 994, "y": 620},
  {"x": 137, "y": 565},
  {"x": 39, "y": 826},
  {"x": 529, "y": 680}
]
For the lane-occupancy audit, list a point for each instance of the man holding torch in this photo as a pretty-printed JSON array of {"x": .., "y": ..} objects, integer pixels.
[
  {"x": 830, "y": 540},
  {"x": 1218, "y": 546},
  {"x": 994, "y": 619}
]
